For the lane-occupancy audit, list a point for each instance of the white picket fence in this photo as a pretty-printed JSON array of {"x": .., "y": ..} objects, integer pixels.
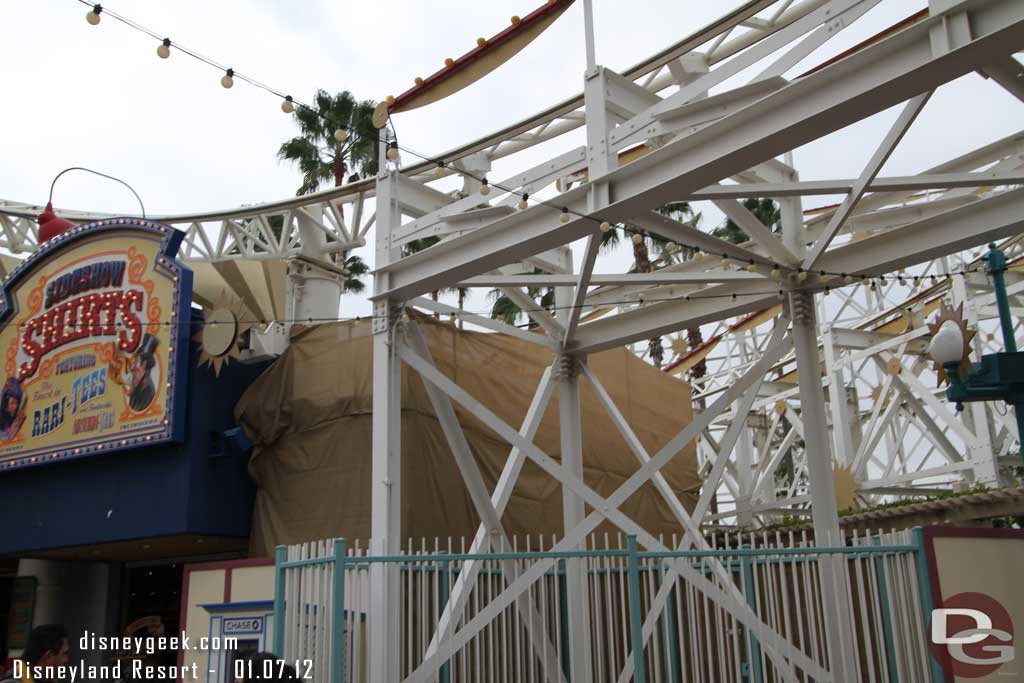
[{"x": 497, "y": 638}]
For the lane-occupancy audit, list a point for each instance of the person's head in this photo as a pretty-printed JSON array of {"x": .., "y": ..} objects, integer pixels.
[
  {"x": 143, "y": 360},
  {"x": 10, "y": 400},
  {"x": 141, "y": 365},
  {"x": 47, "y": 646}
]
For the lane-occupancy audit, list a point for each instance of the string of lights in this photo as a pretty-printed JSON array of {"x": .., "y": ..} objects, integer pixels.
[
  {"x": 775, "y": 270},
  {"x": 640, "y": 299}
]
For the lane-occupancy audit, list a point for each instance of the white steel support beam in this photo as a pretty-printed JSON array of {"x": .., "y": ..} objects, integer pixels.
[
  {"x": 994, "y": 218},
  {"x": 885, "y": 149},
  {"x": 841, "y": 434},
  {"x": 571, "y": 439},
  {"x": 806, "y": 188},
  {"x": 834, "y": 580},
  {"x": 495, "y": 538},
  {"x": 386, "y": 467},
  {"x": 499, "y": 499},
  {"x": 774, "y": 646},
  {"x": 863, "y": 83},
  {"x": 1009, "y": 73},
  {"x": 757, "y": 230}
]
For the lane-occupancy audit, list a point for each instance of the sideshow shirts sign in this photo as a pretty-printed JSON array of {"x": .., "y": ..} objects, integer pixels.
[{"x": 94, "y": 336}]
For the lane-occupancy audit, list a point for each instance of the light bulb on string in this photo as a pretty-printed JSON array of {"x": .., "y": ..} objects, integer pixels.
[
  {"x": 93, "y": 15},
  {"x": 524, "y": 201},
  {"x": 163, "y": 51},
  {"x": 439, "y": 169},
  {"x": 564, "y": 215},
  {"x": 637, "y": 238},
  {"x": 340, "y": 135},
  {"x": 392, "y": 153},
  {"x": 286, "y": 106},
  {"x": 605, "y": 226},
  {"x": 485, "y": 187},
  {"x": 228, "y": 79},
  {"x": 776, "y": 273}
]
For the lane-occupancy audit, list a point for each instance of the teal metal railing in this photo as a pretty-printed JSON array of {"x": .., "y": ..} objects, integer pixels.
[{"x": 692, "y": 638}]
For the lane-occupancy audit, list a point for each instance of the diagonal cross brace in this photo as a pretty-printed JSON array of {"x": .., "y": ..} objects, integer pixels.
[
  {"x": 885, "y": 148},
  {"x": 774, "y": 645},
  {"x": 499, "y": 499},
  {"x": 490, "y": 518}
]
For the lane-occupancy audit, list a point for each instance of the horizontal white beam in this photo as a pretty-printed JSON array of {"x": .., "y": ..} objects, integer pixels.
[
  {"x": 850, "y": 90},
  {"x": 935, "y": 181},
  {"x": 709, "y": 277}
]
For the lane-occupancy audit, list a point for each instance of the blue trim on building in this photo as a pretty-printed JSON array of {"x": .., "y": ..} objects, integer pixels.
[
  {"x": 141, "y": 493},
  {"x": 237, "y": 606}
]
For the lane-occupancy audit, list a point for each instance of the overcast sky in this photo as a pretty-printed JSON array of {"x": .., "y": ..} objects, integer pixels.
[{"x": 100, "y": 97}]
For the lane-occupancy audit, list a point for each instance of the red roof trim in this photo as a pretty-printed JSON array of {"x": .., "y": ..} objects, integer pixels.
[
  {"x": 476, "y": 53},
  {"x": 898, "y": 26},
  {"x": 746, "y": 319}
]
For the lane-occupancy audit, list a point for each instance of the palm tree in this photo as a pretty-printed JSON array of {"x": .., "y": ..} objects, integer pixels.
[
  {"x": 766, "y": 210},
  {"x": 356, "y": 268},
  {"x": 320, "y": 156},
  {"x": 509, "y": 312}
]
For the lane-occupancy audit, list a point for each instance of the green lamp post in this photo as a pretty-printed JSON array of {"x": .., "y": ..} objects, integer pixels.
[{"x": 999, "y": 376}]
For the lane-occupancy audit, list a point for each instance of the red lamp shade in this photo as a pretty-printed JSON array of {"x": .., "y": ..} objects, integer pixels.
[{"x": 51, "y": 225}]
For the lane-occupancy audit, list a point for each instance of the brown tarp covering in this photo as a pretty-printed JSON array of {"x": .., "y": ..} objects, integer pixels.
[{"x": 309, "y": 417}]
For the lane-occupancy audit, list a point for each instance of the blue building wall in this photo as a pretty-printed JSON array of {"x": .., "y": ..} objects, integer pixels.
[{"x": 200, "y": 486}]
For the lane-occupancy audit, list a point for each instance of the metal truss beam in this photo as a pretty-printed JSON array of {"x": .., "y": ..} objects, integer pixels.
[{"x": 852, "y": 89}]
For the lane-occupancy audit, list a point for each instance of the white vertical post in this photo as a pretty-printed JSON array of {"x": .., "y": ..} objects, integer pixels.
[
  {"x": 744, "y": 472},
  {"x": 981, "y": 453},
  {"x": 588, "y": 28},
  {"x": 316, "y": 292},
  {"x": 572, "y": 515},
  {"x": 834, "y": 584},
  {"x": 841, "y": 434},
  {"x": 386, "y": 490}
]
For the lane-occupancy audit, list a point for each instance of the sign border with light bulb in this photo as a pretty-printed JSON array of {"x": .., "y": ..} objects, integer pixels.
[{"x": 129, "y": 296}]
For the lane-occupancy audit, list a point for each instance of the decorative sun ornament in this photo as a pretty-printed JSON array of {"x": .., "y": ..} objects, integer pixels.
[
  {"x": 680, "y": 346},
  {"x": 845, "y": 486},
  {"x": 222, "y": 329},
  {"x": 955, "y": 316}
]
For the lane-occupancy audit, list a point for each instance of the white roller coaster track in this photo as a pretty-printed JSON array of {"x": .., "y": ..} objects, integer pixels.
[{"x": 661, "y": 103}]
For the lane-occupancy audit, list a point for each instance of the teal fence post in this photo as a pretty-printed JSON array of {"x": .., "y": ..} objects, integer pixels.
[
  {"x": 883, "y": 599},
  {"x": 635, "y": 622},
  {"x": 563, "y": 611},
  {"x": 672, "y": 633},
  {"x": 924, "y": 583},
  {"x": 442, "y": 590},
  {"x": 338, "y": 613},
  {"x": 757, "y": 675},
  {"x": 280, "y": 557}
]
